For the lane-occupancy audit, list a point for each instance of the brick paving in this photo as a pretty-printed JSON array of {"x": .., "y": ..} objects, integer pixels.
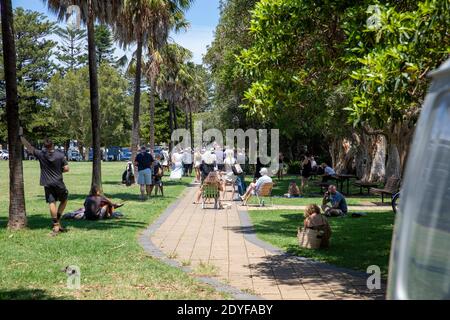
[{"x": 215, "y": 243}]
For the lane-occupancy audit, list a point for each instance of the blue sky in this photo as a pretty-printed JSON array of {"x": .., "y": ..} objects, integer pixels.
[{"x": 203, "y": 16}]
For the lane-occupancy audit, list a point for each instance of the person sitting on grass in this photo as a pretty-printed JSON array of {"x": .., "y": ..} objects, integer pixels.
[
  {"x": 316, "y": 221},
  {"x": 212, "y": 179},
  {"x": 338, "y": 206},
  {"x": 293, "y": 191},
  {"x": 97, "y": 206},
  {"x": 254, "y": 187}
]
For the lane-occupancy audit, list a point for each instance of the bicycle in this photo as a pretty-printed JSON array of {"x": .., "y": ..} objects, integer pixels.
[{"x": 396, "y": 202}]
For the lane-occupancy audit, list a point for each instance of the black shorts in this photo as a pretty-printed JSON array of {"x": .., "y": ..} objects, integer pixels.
[{"x": 54, "y": 193}]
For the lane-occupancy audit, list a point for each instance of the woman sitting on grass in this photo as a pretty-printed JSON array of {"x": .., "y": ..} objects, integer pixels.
[
  {"x": 293, "y": 191},
  {"x": 97, "y": 206},
  {"x": 316, "y": 221}
]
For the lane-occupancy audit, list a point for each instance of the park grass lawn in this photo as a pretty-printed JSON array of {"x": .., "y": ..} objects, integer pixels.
[
  {"x": 113, "y": 265},
  {"x": 356, "y": 243},
  {"x": 313, "y": 193}
]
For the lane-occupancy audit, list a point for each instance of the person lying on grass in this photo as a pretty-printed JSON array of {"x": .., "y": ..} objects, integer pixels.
[
  {"x": 97, "y": 206},
  {"x": 316, "y": 221}
]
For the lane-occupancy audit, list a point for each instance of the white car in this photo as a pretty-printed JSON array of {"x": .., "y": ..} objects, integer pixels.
[{"x": 4, "y": 154}]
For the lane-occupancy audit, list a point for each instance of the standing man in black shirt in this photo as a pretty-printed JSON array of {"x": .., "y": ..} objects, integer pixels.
[
  {"x": 53, "y": 164},
  {"x": 144, "y": 161}
]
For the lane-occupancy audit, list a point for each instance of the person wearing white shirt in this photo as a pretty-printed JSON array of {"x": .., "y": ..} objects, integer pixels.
[
  {"x": 254, "y": 188},
  {"x": 187, "y": 162}
]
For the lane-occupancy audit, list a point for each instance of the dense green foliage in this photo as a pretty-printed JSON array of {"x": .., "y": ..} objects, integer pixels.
[
  {"x": 69, "y": 99},
  {"x": 34, "y": 70},
  {"x": 71, "y": 52},
  {"x": 324, "y": 70}
]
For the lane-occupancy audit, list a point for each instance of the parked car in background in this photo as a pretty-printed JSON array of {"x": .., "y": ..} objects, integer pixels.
[
  {"x": 113, "y": 153},
  {"x": 4, "y": 155},
  {"x": 125, "y": 154},
  {"x": 74, "y": 155}
]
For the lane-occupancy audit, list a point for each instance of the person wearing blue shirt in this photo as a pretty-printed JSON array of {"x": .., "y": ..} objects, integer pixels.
[
  {"x": 328, "y": 172},
  {"x": 338, "y": 204}
]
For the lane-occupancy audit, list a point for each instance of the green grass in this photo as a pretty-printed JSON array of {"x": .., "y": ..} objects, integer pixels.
[
  {"x": 356, "y": 243},
  {"x": 313, "y": 193},
  {"x": 113, "y": 265}
]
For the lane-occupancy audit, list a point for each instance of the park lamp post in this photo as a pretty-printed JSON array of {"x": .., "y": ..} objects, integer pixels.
[{"x": 420, "y": 260}]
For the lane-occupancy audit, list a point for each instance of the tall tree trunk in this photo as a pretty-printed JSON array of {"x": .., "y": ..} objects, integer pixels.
[
  {"x": 191, "y": 126},
  {"x": 66, "y": 147},
  {"x": 393, "y": 161},
  {"x": 378, "y": 169},
  {"x": 171, "y": 126},
  {"x": 186, "y": 119},
  {"x": 175, "y": 119},
  {"x": 17, "y": 211},
  {"x": 137, "y": 102},
  {"x": 81, "y": 150},
  {"x": 152, "y": 115},
  {"x": 95, "y": 108}
]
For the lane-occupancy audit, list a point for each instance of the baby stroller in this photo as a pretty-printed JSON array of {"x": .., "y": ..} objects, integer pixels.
[{"x": 128, "y": 176}]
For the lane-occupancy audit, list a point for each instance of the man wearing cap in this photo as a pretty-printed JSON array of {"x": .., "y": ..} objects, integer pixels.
[
  {"x": 144, "y": 161},
  {"x": 255, "y": 186}
]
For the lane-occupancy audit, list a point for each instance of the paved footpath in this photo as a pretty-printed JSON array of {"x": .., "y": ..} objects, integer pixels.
[{"x": 222, "y": 245}]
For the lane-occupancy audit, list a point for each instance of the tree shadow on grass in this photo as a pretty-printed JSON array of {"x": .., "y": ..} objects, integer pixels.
[
  {"x": 36, "y": 222},
  {"x": 115, "y": 196},
  {"x": 355, "y": 243},
  {"x": 27, "y": 294}
]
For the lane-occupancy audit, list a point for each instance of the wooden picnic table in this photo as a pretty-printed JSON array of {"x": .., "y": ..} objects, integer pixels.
[{"x": 341, "y": 178}]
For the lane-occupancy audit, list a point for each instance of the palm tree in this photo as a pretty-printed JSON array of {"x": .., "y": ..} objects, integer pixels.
[
  {"x": 17, "y": 212},
  {"x": 171, "y": 77},
  {"x": 91, "y": 10},
  {"x": 152, "y": 68},
  {"x": 142, "y": 21}
]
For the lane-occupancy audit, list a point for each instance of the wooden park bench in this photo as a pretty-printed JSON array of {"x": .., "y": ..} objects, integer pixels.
[
  {"x": 392, "y": 186},
  {"x": 365, "y": 184}
]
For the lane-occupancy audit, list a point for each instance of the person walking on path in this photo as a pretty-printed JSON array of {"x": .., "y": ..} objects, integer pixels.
[
  {"x": 53, "y": 164},
  {"x": 144, "y": 161}
]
